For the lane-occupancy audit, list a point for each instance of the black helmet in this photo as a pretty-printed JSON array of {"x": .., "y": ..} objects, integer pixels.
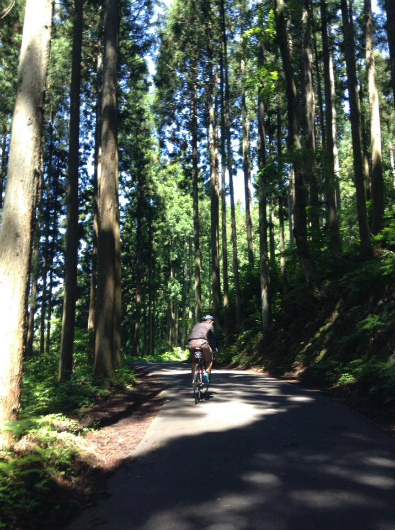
[{"x": 208, "y": 317}]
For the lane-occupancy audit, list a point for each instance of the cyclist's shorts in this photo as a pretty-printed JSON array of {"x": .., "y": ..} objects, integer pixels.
[{"x": 204, "y": 346}]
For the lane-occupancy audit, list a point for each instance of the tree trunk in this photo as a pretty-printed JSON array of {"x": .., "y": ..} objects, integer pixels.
[
  {"x": 195, "y": 185},
  {"x": 364, "y": 143},
  {"x": 51, "y": 256},
  {"x": 331, "y": 146},
  {"x": 139, "y": 270},
  {"x": 392, "y": 160},
  {"x": 283, "y": 263},
  {"x": 172, "y": 308},
  {"x": 309, "y": 100},
  {"x": 151, "y": 295},
  {"x": 390, "y": 9},
  {"x": 300, "y": 221},
  {"x": 282, "y": 203},
  {"x": 184, "y": 295},
  {"x": 318, "y": 76},
  {"x": 17, "y": 221},
  {"x": 213, "y": 152},
  {"x": 349, "y": 44},
  {"x": 225, "y": 276},
  {"x": 72, "y": 235},
  {"x": 34, "y": 269},
  {"x": 4, "y": 163},
  {"x": 47, "y": 225},
  {"x": 247, "y": 163},
  {"x": 375, "y": 129},
  {"x": 263, "y": 254},
  {"x": 96, "y": 176},
  {"x": 108, "y": 244},
  {"x": 230, "y": 173}
]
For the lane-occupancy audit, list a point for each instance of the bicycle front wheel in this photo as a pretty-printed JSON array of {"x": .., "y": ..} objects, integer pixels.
[{"x": 207, "y": 385}]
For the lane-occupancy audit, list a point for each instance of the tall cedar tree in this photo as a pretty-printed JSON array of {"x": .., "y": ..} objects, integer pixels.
[
  {"x": 107, "y": 330},
  {"x": 355, "y": 118},
  {"x": 229, "y": 166},
  {"x": 330, "y": 136},
  {"x": 262, "y": 184},
  {"x": 17, "y": 223},
  {"x": 300, "y": 228},
  {"x": 72, "y": 233},
  {"x": 375, "y": 129},
  {"x": 213, "y": 153},
  {"x": 309, "y": 102},
  {"x": 225, "y": 273},
  {"x": 390, "y": 10},
  {"x": 96, "y": 173}
]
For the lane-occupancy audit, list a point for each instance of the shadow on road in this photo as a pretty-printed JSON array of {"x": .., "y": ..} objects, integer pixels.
[{"x": 259, "y": 454}]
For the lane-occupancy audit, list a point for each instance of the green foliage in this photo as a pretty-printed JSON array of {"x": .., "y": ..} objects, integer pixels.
[
  {"x": 175, "y": 355},
  {"x": 45, "y": 454},
  {"x": 43, "y": 393},
  {"x": 339, "y": 336}
]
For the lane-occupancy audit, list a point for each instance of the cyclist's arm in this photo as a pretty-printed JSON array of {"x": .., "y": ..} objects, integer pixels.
[{"x": 212, "y": 338}]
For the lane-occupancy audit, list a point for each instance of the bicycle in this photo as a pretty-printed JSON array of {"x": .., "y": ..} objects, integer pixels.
[{"x": 200, "y": 386}]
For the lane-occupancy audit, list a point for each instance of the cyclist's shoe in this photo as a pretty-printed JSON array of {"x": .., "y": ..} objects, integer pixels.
[{"x": 206, "y": 378}]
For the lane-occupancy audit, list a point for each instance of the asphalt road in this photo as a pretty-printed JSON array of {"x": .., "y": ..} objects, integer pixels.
[{"x": 258, "y": 454}]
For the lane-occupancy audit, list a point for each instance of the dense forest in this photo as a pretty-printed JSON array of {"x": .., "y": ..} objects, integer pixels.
[{"x": 160, "y": 161}]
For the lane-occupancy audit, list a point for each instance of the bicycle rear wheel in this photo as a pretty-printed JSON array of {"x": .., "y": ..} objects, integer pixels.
[{"x": 197, "y": 386}]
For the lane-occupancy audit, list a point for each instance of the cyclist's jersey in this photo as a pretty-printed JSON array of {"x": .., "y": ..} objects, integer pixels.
[{"x": 202, "y": 330}]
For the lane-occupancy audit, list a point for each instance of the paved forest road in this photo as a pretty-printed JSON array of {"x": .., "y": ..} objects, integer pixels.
[{"x": 259, "y": 454}]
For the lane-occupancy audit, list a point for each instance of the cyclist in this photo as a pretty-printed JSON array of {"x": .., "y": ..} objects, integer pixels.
[{"x": 203, "y": 338}]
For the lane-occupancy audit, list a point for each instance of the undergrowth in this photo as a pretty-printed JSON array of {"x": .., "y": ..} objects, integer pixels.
[
  {"x": 43, "y": 461},
  {"x": 339, "y": 336},
  {"x": 40, "y": 463},
  {"x": 175, "y": 355}
]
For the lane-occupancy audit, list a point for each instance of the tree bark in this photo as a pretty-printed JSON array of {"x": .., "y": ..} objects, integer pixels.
[
  {"x": 331, "y": 146},
  {"x": 17, "y": 222},
  {"x": 4, "y": 163},
  {"x": 355, "y": 118},
  {"x": 151, "y": 293},
  {"x": 34, "y": 269},
  {"x": 225, "y": 275},
  {"x": 51, "y": 254},
  {"x": 96, "y": 176},
  {"x": 390, "y": 9},
  {"x": 184, "y": 295},
  {"x": 247, "y": 163},
  {"x": 139, "y": 270},
  {"x": 282, "y": 203},
  {"x": 375, "y": 129},
  {"x": 51, "y": 190},
  {"x": 195, "y": 192},
  {"x": 72, "y": 235},
  {"x": 213, "y": 152},
  {"x": 263, "y": 253},
  {"x": 300, "y": 221},
  {"x": 309, "y": 99},
  {"x": 108, "y": 240},
  {"x": 230, "y": 173}
]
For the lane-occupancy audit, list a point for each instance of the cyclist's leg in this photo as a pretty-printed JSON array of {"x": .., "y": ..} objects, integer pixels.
[
  {"x": 193, "y": 362},
  {"x": 207, "y": 357},
  {"x": 193, "y": 346}
]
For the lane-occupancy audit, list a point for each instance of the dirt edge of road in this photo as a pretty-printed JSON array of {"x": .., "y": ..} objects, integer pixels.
[{"x": 118, "y": 425}]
